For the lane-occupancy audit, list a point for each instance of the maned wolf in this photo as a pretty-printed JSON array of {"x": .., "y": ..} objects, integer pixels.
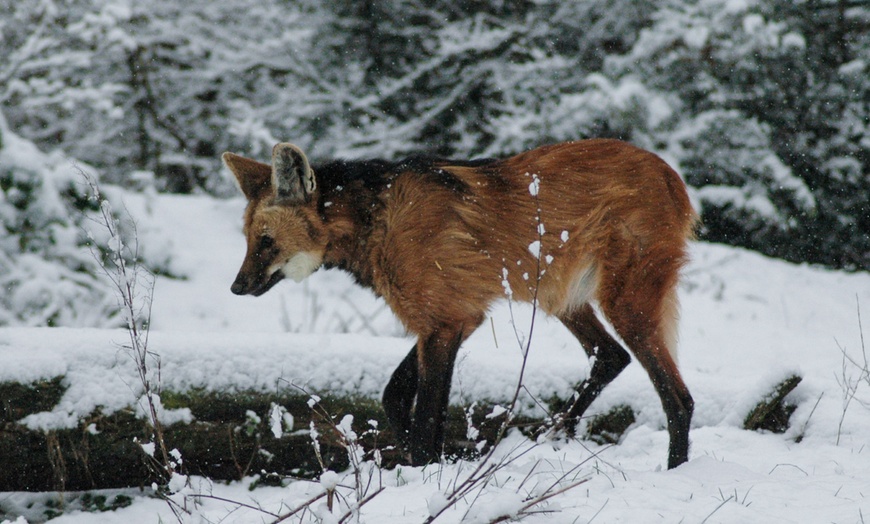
[{"x": 441, "y": 240}]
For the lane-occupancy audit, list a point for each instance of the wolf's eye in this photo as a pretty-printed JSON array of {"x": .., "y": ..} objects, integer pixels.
[{"x": 266, "y": 242}]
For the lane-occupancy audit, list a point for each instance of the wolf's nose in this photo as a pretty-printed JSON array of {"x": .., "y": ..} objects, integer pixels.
[{"x": 238, "y": 287}]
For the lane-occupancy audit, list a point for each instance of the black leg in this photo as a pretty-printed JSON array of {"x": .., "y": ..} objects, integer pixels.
[
  {"x": 677, "y": 403},
  {"x": 610, "y": 358},
  {"x": 436, "y": 354},
  {"x": 649, "y": 343},
  {"x": 399, "y": 396}
]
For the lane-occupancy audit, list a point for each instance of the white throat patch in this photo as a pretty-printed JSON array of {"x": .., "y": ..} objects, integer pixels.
[{"x": 301, "y": 265}]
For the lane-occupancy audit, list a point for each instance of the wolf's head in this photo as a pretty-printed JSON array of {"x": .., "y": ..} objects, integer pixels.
[{"x": 282, "y": 227}]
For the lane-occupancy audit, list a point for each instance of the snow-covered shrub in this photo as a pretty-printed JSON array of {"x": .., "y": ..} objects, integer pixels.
[
  {"x": 744, "y": 189},
  {"x": 49, "y": 273}
]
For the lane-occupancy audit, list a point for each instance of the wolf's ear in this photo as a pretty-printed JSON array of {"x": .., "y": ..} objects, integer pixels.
[
  {"x": 292, "y": 176},
  {"x": 254, "y": 178}
]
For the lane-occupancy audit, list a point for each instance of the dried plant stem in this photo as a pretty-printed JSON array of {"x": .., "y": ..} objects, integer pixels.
[
  {"x": 128, "y": 278},
  {"x": 848, "y": 383},
  {"x": 305, "y": 505}
]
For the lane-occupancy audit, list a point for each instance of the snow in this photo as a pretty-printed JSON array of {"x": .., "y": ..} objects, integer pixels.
[
  {"x": 280, "y": 420},
  {"x": 747, "y": 322},
  {"x": 696, "y": 37},
  {"x": 535, "y": 186},
  {"x": 329, "y": 480},
  {"x": 855, "y": 67},
  {"x": 794, "y": 40},
  {"x": 148, "y": 448}
]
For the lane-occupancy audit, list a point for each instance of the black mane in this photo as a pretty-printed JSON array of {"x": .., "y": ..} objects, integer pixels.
[
  {"x": 371, "y": 174},
  {"x": 375, "y": 174}
]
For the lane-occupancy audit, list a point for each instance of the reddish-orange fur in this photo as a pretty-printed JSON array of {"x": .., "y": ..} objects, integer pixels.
[{"x": 615, "y": 222}]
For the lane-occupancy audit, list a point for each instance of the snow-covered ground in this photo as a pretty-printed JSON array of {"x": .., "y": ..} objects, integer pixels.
[{"x": 747, "y": 323}]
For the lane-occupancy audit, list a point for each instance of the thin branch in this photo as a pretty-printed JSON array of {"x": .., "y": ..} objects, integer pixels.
[
  {"x": 305, "y": 505},
  {"x": 543, "y": 498},
  {"x": 235, "y": 502},
  {"x": 361, "y": 503},
  {"x": 717, "y": 509}
]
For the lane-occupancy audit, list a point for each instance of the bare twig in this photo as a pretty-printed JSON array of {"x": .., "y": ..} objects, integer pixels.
[
  {"x": 806, "y": 423},
  {"x": 849, "y": 383},
  {"x": 129, "y": 278},
  {"x": 524, "y": 510},
  {"x": 356, "y": 456},
  {"x": 302, "y": 507},
  {"x": 790, "y": 466},
  {"x": 598, "y": 512},
  {"x": 725, "y": 501},
  {"x": 359, "y": 505},
  {"x": 237, "y": 503}
]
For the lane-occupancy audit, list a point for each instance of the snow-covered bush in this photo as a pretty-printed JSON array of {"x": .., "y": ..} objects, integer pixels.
[
  {"x": 47, "y": 273},
  {"x": 744, "y": 189},
  {"x": 50, "y": 271},
  {"x": 764, "y": 92}
]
